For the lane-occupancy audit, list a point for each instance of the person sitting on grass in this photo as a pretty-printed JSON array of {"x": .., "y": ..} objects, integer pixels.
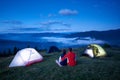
[
  {"x": 61, "y": 62},
  {"x": 71, "y": 58}
]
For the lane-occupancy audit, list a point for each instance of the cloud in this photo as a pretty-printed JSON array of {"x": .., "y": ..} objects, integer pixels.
[
  {"x": 24, "y": 30},
  {"x": 50, "y": 23},
  {"x": 27, "y": 29},
  {"x": 51, "y": 15},
  {"x": 48, "y": 26},
  {"x": 35, "y": 30},
  {"x": 14, "y": 22},
  {"x": 60, "y": 30},
  {"x": 71, "y": 41},
  {"x": 68, "y": 12}
]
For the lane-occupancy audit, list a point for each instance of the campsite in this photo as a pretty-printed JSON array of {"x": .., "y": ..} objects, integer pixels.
[
  {"x": 104, "y": 68},
  {"x": 59, "y": 40}
]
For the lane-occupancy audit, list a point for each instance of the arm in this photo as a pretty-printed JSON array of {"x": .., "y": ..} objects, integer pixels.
[{"x": 65, "y": 56}]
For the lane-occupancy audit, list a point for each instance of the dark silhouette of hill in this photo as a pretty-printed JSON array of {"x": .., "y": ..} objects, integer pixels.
[
  {"x": 103, "y": 35},
  {"x": 22, "y": 40}
]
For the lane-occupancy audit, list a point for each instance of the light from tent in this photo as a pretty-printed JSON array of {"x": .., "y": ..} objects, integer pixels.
[
  {"x": 89, "y": 52},
  {"x": 25, "y": 55}
]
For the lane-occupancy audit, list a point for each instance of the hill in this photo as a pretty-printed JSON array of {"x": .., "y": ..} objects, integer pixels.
[
  {"x": 45, "y": 40},
  {"x": 103, "y": 35},
  {"x": 107, "y": 68},
  {"x": 110, "y": 36}
]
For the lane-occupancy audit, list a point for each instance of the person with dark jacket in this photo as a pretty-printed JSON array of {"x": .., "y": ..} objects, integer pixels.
[
  {"x": 71, "y": 58},
  {"x": 61, "y": 62}
]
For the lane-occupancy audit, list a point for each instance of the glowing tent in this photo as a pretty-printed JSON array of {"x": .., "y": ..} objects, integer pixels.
[
  {"x": 26, "y": 57},
  {"x": 94, "y": 50}
]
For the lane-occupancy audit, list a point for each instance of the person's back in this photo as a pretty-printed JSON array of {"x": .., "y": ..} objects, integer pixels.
[
  {"x": 71, "y": 58},
  {"x": 63, "y": 62}
]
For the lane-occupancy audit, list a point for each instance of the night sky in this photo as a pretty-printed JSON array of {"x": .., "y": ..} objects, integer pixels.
[{"x": 35, "y": 16}]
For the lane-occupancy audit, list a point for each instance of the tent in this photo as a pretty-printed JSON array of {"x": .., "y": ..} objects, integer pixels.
[
  {"x": 26, "y": 57},
  {"x": 53, "y": 49},
  {"x": 94, "y": 50}
]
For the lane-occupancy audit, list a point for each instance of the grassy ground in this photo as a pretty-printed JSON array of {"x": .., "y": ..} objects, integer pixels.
[{"x": 107, "y": 68}]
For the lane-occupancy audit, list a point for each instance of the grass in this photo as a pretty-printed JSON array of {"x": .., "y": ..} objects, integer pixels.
[{"x": 106, "y": 68}]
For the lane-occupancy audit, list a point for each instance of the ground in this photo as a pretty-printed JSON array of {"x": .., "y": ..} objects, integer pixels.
[{"x": 105, "y": 68}]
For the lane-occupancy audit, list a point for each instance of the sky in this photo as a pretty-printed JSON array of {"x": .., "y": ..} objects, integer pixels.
[{"x": 36, "y": 16}]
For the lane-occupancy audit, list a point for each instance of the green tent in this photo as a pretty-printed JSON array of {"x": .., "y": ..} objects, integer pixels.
[{"x": 94, "y": 50}]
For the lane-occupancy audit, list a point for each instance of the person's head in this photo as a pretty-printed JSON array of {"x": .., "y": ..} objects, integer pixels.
[
  {"x": 70, "y": 49},
  {"x": 64, "y": 51}
]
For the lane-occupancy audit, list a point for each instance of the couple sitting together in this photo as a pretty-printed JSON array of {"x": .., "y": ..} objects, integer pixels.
[{"x": 67, "y": 58}]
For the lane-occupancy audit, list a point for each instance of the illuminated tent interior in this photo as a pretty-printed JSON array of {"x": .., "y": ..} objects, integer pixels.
[{"x": 94, "y": 50}]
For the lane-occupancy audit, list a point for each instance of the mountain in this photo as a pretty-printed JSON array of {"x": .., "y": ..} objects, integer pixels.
[
  {"x": 102, "y": 35},
  {"x": 45, "y": 40}
]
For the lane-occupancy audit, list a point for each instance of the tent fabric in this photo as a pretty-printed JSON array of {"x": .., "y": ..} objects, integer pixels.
[
  {"x": 94, "y": 50},
  {"x": 89, "y": 52},
  {"x": 99, "y": 51},
  {"x": 26, "y": 57},
  {"x": 53, "y": 49}
]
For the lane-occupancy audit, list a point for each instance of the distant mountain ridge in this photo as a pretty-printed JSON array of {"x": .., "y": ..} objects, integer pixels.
[
  {"x": 44, "y": 40},
  {"x": 104, "y": 35}
]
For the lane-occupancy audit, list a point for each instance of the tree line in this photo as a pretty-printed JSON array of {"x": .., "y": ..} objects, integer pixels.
[{"x": 9, "y": 52}]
